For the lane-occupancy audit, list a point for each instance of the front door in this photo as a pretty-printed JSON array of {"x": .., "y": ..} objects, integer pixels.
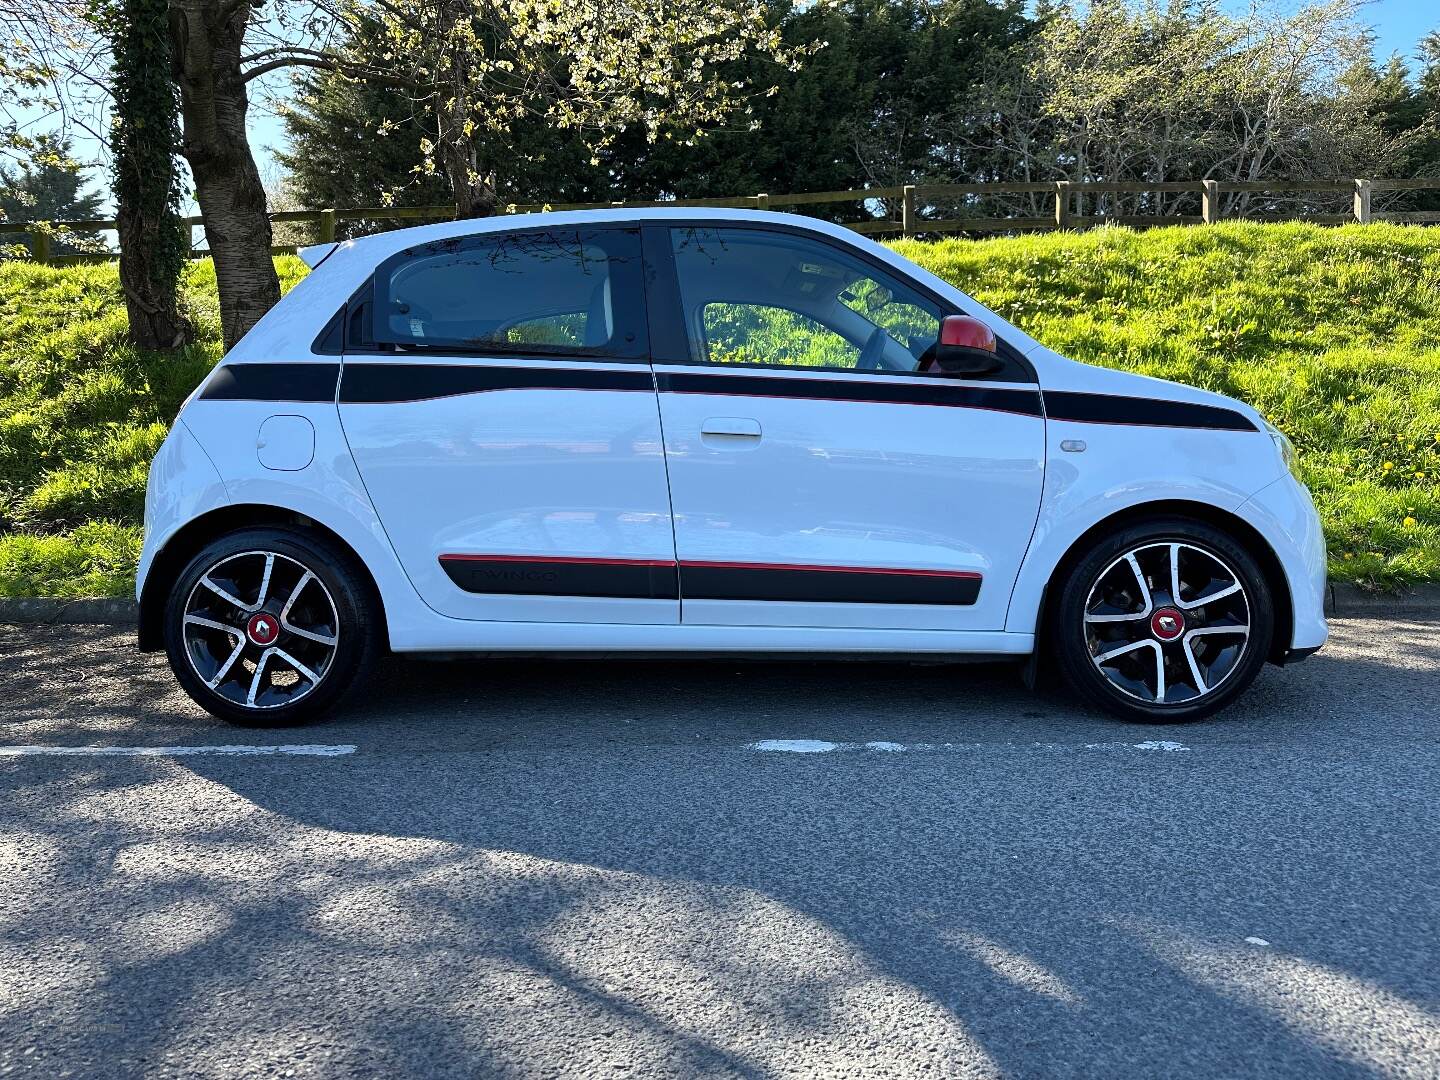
[
  {"x": 816, "y": 477},
  {"x": 504, "y": 422}
]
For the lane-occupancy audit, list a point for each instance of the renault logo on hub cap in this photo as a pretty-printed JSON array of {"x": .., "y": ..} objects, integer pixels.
[
  {"x": 263, "y": 628},
  {"x": 1167, "y": 624}
]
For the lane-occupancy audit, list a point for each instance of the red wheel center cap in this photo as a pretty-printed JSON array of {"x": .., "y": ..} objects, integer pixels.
[
  {"x": 1167, "y": 624},
  {"x": 263, "y": 628}
]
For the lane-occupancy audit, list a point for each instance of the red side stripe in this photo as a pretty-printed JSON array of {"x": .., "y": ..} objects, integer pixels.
[
  {"x": 962, "y": 574},
  {"x": 569, "y": 560}
]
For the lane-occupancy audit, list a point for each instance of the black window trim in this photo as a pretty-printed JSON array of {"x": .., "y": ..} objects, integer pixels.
[
  {"x": 498, "y": 351},
  {"x": 666, "y": 313}
]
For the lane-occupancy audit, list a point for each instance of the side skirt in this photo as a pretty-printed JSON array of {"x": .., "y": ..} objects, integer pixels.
[{"x": 467, "y": 636}]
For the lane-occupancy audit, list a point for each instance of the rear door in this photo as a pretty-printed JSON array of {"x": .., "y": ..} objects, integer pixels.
[
  {"x": 817, "y": 477},
  {"x": 501, "y": 411}
]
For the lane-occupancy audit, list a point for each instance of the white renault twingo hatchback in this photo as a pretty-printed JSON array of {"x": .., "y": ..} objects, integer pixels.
[{"x": 718, "y": 431}]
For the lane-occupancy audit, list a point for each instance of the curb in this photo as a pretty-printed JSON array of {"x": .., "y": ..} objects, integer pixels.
[
  {"x": 1345, "y": 601},
  {"x": 1342, "y": 601},
  {"x": 114, "y": 611}
]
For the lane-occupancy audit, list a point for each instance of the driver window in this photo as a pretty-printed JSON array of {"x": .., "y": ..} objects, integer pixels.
[
  {"x": 760, "y": 334},
  {"x": 753, "y": 296}
]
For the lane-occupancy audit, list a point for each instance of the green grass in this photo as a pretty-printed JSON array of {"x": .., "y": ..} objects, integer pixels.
[
  {"x": 82, "y": 412},
  {"x": 1333, "y": 333}
]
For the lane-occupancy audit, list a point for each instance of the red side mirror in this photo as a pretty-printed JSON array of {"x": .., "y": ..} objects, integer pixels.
[
  {"x": 966, "y": 347},
  {"x": 964, "y": 332}
]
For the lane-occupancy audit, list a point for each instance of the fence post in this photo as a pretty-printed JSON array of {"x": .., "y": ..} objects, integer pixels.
[
  {"x": 907, "y": 210},
  {"x": 1210, "y": 202},
  {"x": 1362, "y": 201},
  {"x": 327, "y": 227},
  {"x": 762, "y": 201},
  {"x": 40, "y": 242},
  {"x": 1062, "y": 204}
]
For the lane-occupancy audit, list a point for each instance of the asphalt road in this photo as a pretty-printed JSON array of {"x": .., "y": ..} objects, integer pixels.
[{"x": 590, "y": 869}]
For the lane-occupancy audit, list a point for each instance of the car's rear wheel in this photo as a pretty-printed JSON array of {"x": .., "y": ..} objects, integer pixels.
[
  {"x": 271, "y": 627},
  {"x": 1166, "y": 620}
]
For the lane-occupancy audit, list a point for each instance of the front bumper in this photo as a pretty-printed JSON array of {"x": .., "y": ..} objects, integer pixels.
[{"x": 1285, "y": 515}]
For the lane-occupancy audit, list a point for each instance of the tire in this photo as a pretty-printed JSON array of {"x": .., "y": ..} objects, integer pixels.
[
  {"x": 1123, "y": 639},
  {"x": 271, "y": 627}
]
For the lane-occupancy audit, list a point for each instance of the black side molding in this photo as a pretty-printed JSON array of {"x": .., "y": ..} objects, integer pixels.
[
  {"x": 377, "y": 383},
  {"x": 1113, "y": 409},
  {"x": 746, "y": 382},
  {"x": 273, "y": 382}
]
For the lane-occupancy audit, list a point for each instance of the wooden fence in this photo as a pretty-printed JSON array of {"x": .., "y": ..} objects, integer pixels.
[{"x": 902, "y": 209}]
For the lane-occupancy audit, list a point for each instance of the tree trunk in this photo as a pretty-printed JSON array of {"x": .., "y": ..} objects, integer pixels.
[
  {"x": 154, "y": 241},
  {"x": 455, "y": 147},
  {"x": 207, "y": 38},
  {"x": 150, "y": 291},
  {"x": 474, "y": 193}
]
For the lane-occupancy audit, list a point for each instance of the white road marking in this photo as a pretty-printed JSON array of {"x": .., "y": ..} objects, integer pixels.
[
  {"x": 296, "y": 750},
  {"x": 1256, "y": 941},
  {"x": 819, "y": 746},
  {"x": 795, "y": 746}
]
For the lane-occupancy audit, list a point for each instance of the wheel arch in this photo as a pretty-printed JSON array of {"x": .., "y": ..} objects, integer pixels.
[
  {"x": 181, "y": 547},
  {"x": 1244, "y": 533}
]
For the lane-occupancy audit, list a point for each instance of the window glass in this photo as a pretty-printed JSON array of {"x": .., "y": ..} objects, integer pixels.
[
  {"x": 563, "y": 291},
  {"x": 760, "y": 334},
  {"x": 759, "y": 297}
]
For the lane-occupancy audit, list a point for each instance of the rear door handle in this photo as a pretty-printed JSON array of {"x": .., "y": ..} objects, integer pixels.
[{"x": 736, "y": 426}]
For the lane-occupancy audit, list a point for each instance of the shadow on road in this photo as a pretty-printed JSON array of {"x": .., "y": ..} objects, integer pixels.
[{"x": 560, "y": 867}]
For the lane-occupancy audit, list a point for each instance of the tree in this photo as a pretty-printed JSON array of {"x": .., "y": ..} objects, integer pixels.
[
  {"x": 207, "y": 47},
  {"x": 357, "y": 143},
  {"x": 337, "y": 155},
  {"x": 588, "y": 68},
  {"x": 144, "y": 135},
  {"x": 1116, "y": 91},
  {"x": 860, "y": 110},
  {"x": 49, "y": 192},
  {"x": 587, "y": 65}
]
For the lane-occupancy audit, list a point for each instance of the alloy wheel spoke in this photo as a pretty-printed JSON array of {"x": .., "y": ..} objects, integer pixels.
[
  {"x": 259, "y": 674},
  {"x": 219, "y": 676},
  {"x": 1140, "y": 580},
  {"x": 1201, "y": 686},
  {"x": 1219, "y": 594},
  {"x": 1242, "y": 629},
  {"x": 1127, "y": 648},
  {"x": 1131, "y": 617},
  {"x": 296, "y": 664},
  {"x": 225, "y": 595},
  {"x": 265, "y": 581},
  {"x": 211, "y": 624},
  {"x": 312, "y": 635}
]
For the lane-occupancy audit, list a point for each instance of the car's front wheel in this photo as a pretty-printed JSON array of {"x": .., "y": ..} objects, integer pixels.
[
  {"x": 1166, "y": 620},
  {"x": 270, "y": 627}
]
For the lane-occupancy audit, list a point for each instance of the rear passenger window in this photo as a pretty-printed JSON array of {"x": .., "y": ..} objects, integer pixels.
[{"x": 565, "y": 291}]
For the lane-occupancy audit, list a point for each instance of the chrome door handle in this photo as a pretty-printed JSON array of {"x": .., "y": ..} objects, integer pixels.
[{"x": 736, "y": 426}]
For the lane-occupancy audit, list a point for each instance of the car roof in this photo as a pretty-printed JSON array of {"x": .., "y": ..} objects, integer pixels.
[{"x": 381, "y": 245}]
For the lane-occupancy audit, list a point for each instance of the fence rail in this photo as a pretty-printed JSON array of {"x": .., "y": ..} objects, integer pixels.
[{"x": 899, "y": 208}]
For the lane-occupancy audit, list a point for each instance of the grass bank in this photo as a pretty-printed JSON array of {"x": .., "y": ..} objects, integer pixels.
[{"x": 1334, "y": 333}]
